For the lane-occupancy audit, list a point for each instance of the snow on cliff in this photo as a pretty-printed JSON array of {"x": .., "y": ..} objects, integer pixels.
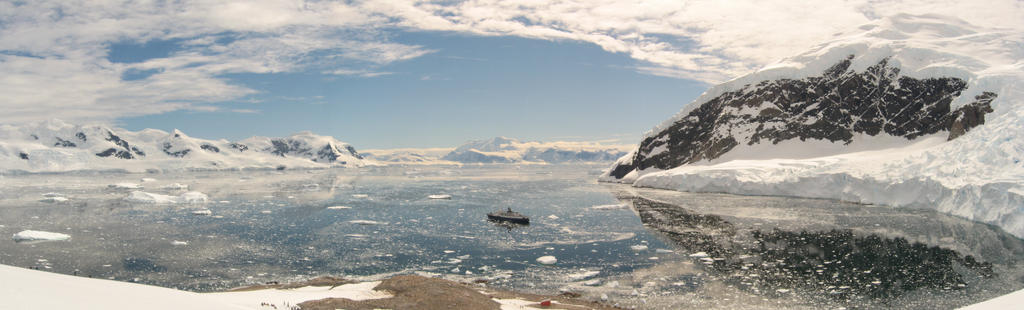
[
  {"x": 55, "y": 146},
  {"x": 908, "y": 111}
]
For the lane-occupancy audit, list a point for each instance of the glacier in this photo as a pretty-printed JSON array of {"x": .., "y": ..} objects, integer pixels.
[{"x": 976, "y": 172}]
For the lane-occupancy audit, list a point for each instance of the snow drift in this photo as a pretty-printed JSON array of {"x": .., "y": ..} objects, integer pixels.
[{"x": 908, "y": 111}]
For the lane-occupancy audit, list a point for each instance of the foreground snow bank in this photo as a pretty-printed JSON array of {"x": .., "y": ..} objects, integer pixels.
[
  {"x": 1009, "y": 301},
  {"x": 31, "y": 289}
]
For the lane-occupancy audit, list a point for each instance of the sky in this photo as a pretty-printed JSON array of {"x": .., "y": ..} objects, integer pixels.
[{"x": 384, "y": 74}]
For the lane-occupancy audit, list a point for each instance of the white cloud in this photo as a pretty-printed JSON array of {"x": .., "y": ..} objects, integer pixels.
[
  {"x": 53, "y": 54},
  {"x": 358, "y": 72}
]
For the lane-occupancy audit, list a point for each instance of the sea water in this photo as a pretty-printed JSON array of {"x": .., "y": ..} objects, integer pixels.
[{"x": 634, "y": 247}]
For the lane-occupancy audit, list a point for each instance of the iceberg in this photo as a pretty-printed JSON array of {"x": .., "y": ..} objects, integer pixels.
[{"x": 38, "y": 236}]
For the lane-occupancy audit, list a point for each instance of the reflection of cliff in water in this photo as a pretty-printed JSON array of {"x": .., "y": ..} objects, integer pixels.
[{"x": 840, "y": 263}]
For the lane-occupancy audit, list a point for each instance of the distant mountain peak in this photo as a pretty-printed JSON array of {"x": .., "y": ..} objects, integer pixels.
[{"x": 54, "y": 145}]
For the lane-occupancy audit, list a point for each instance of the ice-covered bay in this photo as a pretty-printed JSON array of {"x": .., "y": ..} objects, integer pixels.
[{"x": 370, "y": 223}]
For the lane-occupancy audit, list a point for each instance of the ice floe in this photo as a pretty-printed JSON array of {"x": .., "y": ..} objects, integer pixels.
[
  {"x": 36, "y": 235},
  {"x": 125, "y": 185},
  {"x": 54, "y": 199},
  {"x": 175, "y": 186},
  {"x": 583, "y": 275},
  {"x": 145, "y": 197},
  {"x": 366, "y": 222},
  {"x": 547, "y": 260},
  {"x": 610, "y": 207}
]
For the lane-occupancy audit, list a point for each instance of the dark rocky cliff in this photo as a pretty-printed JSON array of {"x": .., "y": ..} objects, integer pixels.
[{"x": 833, "y": 106}]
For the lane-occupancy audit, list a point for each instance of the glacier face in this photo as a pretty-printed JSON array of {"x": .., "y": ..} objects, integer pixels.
[
  {"x": 55, "y": 146},
  {"x": 926, "y": 113}
]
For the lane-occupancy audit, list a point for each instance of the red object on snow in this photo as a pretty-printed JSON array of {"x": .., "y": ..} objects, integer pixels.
[{"x": 546, "y": 303}]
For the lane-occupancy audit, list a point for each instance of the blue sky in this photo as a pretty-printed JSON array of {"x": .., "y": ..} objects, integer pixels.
[
  {"x": 470, "y": 87},
  {"x": 399, "y": 73}
]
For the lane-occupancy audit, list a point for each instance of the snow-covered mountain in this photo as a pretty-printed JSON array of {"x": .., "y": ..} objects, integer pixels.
[
  {"x": 408, "y": 156},
  {"x": 55, "y": 146},
  {"x": 506, "y": 150},
  {"x": 908, "y": 111}
]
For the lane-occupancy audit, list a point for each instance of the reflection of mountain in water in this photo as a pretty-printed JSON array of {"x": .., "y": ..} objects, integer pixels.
[{"x": 840, "y": 263}]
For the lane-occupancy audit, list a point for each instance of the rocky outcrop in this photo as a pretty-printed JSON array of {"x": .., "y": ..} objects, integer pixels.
[{"x": 835, "y": 106}]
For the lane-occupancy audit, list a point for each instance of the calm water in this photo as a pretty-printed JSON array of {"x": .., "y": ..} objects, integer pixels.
[{"x": 648, "y": 253}]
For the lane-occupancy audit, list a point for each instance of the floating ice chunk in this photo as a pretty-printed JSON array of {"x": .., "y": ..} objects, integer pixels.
[
  {"x": 189, "y": 197},
  {"x": 440, "y": 196},
  {"x": 175, "y": 186},
  {"x": 355, "y": 235},
  {"x": 592, "y": 282},
  {"x": 366, "y": 222},
  {"x": 782, "y": 290},
  {"x": 266, "y": 212},
  {"x": 360, "y": 196},
  {"x": 202, "y": 212},
  {"x": 176, "y": 242},
  {"x": 639, "y": 247},
  {"x": 547, "y": 260},
  {"x": 552, "y": 217},
  {"x": 144, "y": 180},
  {"x": 583, "y": 275},
  {"x": 51, "y": 195},
  {"x": 144, "y": 197},
  {"x": 610, "y": 207},
  {"x": 664, "y": 251},
  {"x": 125, "y": 185},
  {"x": 53, "y": 199},
  {"x": 653, "y": 258},
  {"x": 699, "y": 255},
  {"x": 194, "y": 197},
  {"x": 448, "y": 251},
  {"x": 36, "y": 235},
  {"x": 338, "y": 207}
]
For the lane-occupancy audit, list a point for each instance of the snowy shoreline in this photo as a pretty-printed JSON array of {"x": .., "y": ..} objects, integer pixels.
[{"x": 33, "y": 289}]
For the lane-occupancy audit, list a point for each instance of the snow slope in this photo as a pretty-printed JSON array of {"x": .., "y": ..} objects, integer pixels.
[
  {"x": 31, "y": 289},
  {"x": 978, "y": 175},
  {"x": 55, "y": 146}
]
